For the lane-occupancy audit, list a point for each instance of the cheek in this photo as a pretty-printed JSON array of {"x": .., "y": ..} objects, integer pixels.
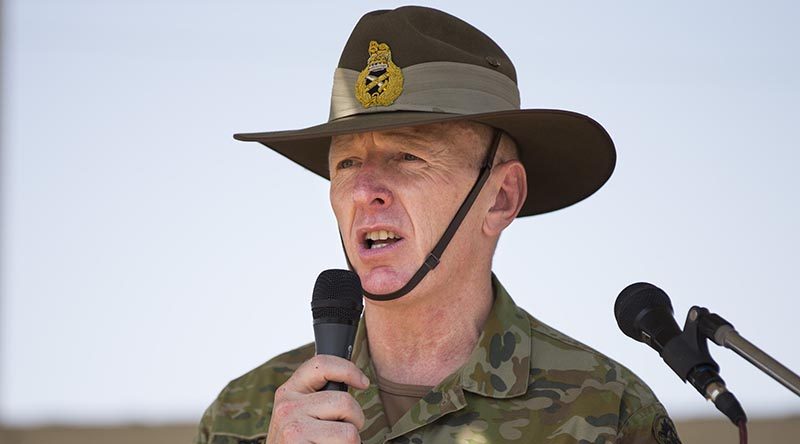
[
  {"x": 442, "y": 189},
  {"x": 421, "y": 177},
  {"x": 339, "y": 198},
  {"x": 431, "y": 202}
]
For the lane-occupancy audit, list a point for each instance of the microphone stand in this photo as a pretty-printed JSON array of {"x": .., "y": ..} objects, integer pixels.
[
  {"x": 714, "y": 327},
  {"x": 688, "y": 356}
]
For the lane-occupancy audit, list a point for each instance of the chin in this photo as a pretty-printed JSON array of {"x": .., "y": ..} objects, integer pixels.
[{"x": 383, "y": 280}]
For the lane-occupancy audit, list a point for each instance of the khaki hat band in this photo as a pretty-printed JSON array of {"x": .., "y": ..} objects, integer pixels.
[{"x": 440, "y": 87}]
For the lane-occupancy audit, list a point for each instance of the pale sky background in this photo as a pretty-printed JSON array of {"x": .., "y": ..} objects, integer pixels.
[{"x": 148, "y": 258}]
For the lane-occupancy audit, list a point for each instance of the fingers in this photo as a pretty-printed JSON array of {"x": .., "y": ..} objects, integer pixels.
[
  {"x": 331, "y": 432},
  {"x": 301, "y": 413},
  {"x": 328, "y": 406},
  {"x": 327, "y": 432},
  {"x": 317, "y": 371},
  {"x": 335, "y": 406}
]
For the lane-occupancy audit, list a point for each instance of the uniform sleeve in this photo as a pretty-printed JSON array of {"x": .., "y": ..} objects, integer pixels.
[
  {"x": 648, "y": 425},
  {"x": 204, "y": 428},
  {"x": 242, "y": 410}
]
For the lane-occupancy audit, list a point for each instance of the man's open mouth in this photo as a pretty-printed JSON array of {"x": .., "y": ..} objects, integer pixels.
[{"x": 380, "y": 239}]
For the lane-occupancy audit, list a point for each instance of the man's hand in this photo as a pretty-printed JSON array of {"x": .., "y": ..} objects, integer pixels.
[{"x": 303, "y": 414}]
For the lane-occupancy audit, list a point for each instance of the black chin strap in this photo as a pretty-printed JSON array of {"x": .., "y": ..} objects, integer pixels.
[{"x": 433, "y": 258}]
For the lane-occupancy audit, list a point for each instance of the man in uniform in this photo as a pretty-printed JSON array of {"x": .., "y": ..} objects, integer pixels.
[{"x": 430, "y": 158}]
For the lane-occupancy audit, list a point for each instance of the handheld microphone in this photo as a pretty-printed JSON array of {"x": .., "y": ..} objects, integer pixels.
[
  {"x": 336, "y": 306},
  {"x": 644, "y": 313}
]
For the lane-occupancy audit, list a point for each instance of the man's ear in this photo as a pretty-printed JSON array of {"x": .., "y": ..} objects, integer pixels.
[{"x": 511, "y": 194}]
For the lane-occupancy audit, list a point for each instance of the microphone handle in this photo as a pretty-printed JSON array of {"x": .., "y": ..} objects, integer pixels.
[
  {"x": 333, "y": 338},
  {"x": 727, "y": 337}
]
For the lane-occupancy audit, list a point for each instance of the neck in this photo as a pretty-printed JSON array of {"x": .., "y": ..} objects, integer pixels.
[{"x": 425, "y": 336}]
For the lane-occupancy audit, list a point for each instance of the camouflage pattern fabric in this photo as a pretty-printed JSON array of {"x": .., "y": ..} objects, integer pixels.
[{"x": 524, "y": 382}]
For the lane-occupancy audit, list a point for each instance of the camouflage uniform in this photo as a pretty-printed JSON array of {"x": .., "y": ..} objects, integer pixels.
[{"x": 524, "y": 382}]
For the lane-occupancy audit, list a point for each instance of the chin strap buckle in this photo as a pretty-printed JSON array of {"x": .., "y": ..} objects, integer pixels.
[{"x": 431, "y": 261}]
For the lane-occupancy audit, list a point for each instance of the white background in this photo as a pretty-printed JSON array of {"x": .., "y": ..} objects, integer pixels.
[{"x": 148, "y": 258}]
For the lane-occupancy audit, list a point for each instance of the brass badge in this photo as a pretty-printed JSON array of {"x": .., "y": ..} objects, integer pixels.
[{"x": 381, "y": 82}]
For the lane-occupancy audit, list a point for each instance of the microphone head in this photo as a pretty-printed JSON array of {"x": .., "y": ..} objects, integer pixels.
[
  {"x": 636, "y": 300},
  {"x": 337, "y": 297}
]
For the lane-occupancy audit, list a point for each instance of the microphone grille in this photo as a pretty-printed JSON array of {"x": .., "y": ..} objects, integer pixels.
[
  {"x": 337, "y": 297},
  {"x": 633, "y": 300}
]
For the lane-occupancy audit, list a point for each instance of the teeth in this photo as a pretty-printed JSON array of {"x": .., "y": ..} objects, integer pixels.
[{"x": 380, "y": 235}]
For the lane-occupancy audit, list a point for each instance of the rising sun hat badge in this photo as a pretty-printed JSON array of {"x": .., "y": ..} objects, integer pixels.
[{"x": 381, "y": 82}]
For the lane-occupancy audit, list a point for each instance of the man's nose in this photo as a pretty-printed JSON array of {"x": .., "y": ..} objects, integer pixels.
[{"x": 371, "y": 188}]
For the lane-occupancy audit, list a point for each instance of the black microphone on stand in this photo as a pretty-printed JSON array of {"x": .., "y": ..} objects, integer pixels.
[
  {"x": 336, "y": 306},
  {"x": 644, "y": 313}
]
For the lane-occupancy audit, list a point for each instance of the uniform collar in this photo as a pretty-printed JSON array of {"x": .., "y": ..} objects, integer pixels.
[{"x": 498, "y": 367}]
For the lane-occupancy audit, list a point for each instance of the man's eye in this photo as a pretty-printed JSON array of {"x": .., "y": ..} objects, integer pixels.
[
  {"x": 347, "y": 163},
  {"x": 410, "y": 157}
]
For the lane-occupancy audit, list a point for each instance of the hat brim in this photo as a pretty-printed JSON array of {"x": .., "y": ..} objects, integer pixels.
[{"x": 567, "y": 156}]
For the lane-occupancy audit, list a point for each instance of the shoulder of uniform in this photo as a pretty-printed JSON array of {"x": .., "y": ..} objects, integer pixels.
[
  {"x": 251, "y": 395},
  {"x": 551, "y": 348},
  {"x": 561, "y": 364},
  {"x": 278, "y": 369},
  {"x": 541, "y": 330}
]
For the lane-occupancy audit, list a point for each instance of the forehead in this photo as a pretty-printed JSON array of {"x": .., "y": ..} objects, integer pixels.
[
  {"x": 439, "y": 136},
  {"x": 420, "y": 136}
]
